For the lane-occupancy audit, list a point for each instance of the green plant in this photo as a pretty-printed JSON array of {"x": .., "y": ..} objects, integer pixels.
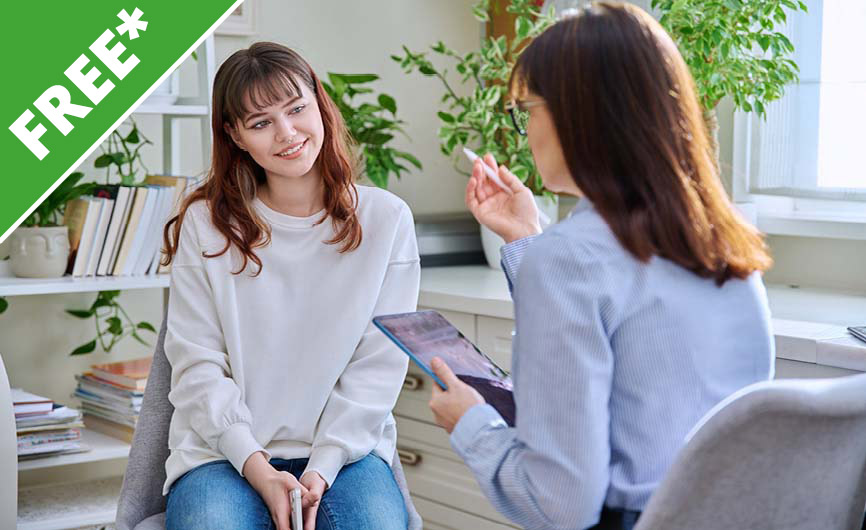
[
  {"x": 50, "y": 211},
  {"x": 479, "y": 118},
  {"x": 122, "y": 153},
  {"x": 733, "y": 49},
  {"x": 116, "y": 323},
  {"x": 372, "y": 125}
]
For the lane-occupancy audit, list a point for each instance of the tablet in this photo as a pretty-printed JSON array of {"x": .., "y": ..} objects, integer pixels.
[{"x": 427, "y": 334}]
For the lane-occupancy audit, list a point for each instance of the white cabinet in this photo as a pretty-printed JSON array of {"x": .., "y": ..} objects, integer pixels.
[
  {"x": 50, "y": 500},
  {"x": 443, "y": 488}
]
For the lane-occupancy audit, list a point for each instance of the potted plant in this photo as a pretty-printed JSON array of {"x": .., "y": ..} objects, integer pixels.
[
  {"x": 372, "y": 124},
  {"x": 478, "y": 119},
  {"x": 40, "y": 246},
  {"x": 733, "y": 49}
]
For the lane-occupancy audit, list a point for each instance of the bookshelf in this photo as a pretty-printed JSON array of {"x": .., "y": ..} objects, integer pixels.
[{"x": 53, "y": 500}]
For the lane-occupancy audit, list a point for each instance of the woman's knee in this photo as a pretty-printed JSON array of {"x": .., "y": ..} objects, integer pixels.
[
  {"x": 214, "y": 495},
  {"x": 364, "y": 496}
]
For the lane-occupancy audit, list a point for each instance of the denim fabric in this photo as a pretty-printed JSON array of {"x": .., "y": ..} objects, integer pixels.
[{"x": 213, "y": 495}]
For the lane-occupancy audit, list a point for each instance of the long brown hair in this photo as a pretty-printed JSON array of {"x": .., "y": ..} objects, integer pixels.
[
  {"x": 264, "y": 74},
  {"x": 626, "y": 112}
]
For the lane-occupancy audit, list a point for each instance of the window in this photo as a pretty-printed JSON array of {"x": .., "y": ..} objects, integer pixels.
[{"x": 805, "y": 161}]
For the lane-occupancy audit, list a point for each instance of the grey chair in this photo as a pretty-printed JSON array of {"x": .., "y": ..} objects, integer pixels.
[
  {"x": 142, "y": 505},
  {"x": 786, "y": 454}
]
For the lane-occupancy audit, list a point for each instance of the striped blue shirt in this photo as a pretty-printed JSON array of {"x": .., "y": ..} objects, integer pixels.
[{"x": 614, "y": 361}]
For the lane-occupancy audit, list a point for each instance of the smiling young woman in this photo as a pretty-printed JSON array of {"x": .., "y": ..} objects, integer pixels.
[{"x": 279, "y": 262}]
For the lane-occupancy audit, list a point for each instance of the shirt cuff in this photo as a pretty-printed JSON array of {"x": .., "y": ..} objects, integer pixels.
[
  {"x": 512, "y": 255},
  {"x": 237, "y": 443},
  {"x": 327, "y": 461},
  {"x": 479, "y": 418}
]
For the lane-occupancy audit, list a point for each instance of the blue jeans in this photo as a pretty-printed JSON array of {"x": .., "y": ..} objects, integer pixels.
[{"x": 214, "y": 496}]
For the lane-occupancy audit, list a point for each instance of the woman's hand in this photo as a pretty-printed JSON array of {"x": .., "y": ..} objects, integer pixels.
[
  {"x": 315, "y": 485},
  {"x": 511, "y": 215},
  {"x": 450, "y": 405},
  {"x": 274, "y": 487}
]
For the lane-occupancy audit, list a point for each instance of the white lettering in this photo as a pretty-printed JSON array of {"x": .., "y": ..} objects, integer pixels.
[
  {"x": 28, "y": 137},
  {"x": 84, "y": 82},
  {"x": 57, "y": 115},
  {"x": 111, "y": 57}
]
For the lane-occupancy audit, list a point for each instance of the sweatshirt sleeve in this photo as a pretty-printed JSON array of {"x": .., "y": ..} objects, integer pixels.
[
  {"x": 202, "y": 388},
  {"x": 369, "y": 386}
]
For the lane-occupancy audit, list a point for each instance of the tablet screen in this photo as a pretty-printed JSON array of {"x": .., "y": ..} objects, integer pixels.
[{"x": 427, "y": 334}]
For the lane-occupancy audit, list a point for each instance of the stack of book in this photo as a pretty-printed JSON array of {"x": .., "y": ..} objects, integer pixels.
[
  {"x": 45, "y": 428},
  {"x": 111, "y": 396},
  {"x": 118, "y": 231}
]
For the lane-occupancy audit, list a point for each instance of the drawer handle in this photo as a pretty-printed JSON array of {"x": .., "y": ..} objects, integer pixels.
[
  {"x": 408, "y": 458},
  {"x": 412, "y": 382}
]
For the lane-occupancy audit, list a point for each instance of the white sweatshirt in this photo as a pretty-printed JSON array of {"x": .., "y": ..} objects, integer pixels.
[{"x": 288, "y": 362}]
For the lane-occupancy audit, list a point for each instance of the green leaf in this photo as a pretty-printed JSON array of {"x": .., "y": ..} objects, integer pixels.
[
  {"x": 146, "y": 325},
  {"x": 427, "y": 70},
  {"x": 388, "y": 102},
  {"x": 115, "y": 326},
  {"x": 405, "y": 156},
  {"x": 132, "y": 137},
  {"x": 84, "y": 348},
  {"x": 4, "y": 304},
  {"x": 104, "y": 160},
  {"x": 444, "y": 116},
  {"x": 354, "y": 79},
  {"x": 80, "y": 313}
]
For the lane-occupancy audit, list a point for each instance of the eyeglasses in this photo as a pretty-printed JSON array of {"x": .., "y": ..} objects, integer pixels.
[{"x": 520, "y": 113}]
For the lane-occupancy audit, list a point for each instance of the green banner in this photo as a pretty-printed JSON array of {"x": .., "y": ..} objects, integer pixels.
[{"x": 75, "y": 70}]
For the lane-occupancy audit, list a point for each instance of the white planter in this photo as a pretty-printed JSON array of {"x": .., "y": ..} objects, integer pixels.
[
  {"x": 492, "y": 242},
  {"x": 39, "y": 252},
  {"x": 167, "y": 92}
]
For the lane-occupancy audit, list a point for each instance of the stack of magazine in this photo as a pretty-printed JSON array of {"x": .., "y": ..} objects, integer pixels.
[
  {"x": 45, "y": 428},
  {"x": 111, "y": 396}
]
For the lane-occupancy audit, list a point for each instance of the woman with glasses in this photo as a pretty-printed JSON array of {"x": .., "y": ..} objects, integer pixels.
[{"x": 636, "y": 314}]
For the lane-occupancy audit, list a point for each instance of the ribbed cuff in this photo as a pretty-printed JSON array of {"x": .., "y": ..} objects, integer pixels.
[
  {"x": 478, "y": 418},
  {"x": 512, "y": 255},
  {"x": 237, "y": 443},
  {"x": 327, "y": 461}
]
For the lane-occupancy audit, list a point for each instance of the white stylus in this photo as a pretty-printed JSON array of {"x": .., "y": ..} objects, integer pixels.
[
  {"x": 490, "y": 172},
  {"x": 297, "y": 516}
]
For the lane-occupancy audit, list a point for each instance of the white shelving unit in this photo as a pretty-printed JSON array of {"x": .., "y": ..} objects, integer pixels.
[{"x": 52, "y": 505}]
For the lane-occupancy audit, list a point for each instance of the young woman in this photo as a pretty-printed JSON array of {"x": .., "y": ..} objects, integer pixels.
[
  {"x": 279, "y": 262},
  {"x": 636, "y": 314}
]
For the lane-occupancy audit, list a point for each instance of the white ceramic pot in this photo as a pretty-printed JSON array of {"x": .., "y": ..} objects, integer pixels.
[
  {"x": 39, "y": 251},
  {"x": 492, "y": 242}
]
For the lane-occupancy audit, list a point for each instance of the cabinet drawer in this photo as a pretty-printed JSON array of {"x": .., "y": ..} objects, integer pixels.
[
  {"x": 465, "y": 322},
  {"x": 440, "y": 517},
  {"x": 434, "y": 472},
  {"x": 495, "y": 338},
  {"x": 415, "y": 396}
]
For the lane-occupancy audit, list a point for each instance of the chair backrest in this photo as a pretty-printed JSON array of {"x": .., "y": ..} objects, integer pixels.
[
  {"x": 141, "y": 494},
  {"x": 779, "y": 454}
]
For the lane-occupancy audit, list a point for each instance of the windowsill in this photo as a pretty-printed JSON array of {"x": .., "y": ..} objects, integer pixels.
[{"x": 812, "y": 225}]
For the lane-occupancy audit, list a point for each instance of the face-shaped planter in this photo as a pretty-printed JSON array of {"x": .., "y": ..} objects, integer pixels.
[{"x": 39, "y": 252}]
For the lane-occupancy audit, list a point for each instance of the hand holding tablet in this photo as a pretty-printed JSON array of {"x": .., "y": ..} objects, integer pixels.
[{"x": 424, "y": 335}]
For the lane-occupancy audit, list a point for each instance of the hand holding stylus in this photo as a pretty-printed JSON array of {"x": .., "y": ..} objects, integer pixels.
[{"x": 511, "y": 214}]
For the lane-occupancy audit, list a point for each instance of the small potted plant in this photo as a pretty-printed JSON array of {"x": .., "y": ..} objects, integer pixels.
[
  {"x": 479, "y": 120},
  {"x": 40, "y": 246}
]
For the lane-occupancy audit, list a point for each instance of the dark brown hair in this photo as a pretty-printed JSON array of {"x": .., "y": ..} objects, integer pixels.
[
  {"x": 632, "y": 131},
  {"x": 264, "y": 74}
]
